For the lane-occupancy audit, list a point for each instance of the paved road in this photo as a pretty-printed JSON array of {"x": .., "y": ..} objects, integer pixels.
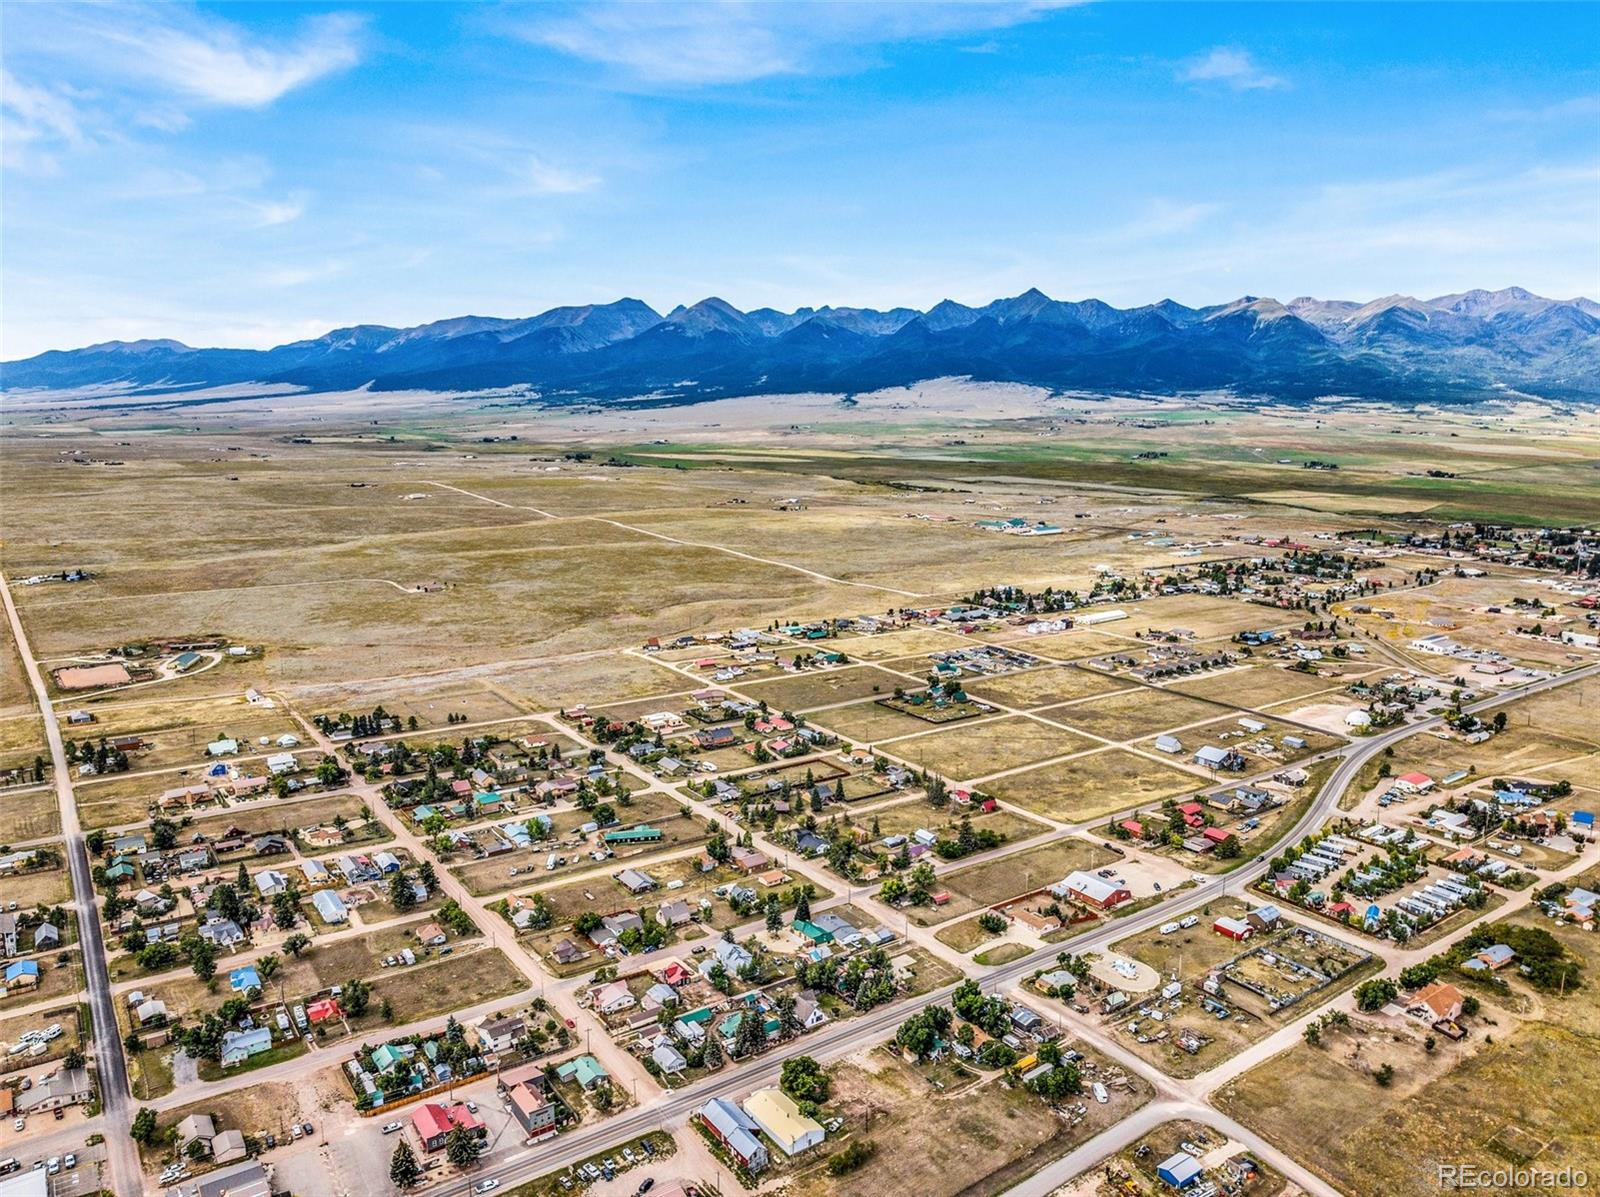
[
  {"x": 847, "y": 1036},
  {"x": 122, "y": 1157}
]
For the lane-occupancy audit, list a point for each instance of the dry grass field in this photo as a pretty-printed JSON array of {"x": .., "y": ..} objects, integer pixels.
[
  {"x": 31, "y": 814},
  {"x": 979, "y": 748},
  {"x": 867, "y": 722},
  {"x": 1259, "y": 686},
  {"x": 967, "y": 1139},
  {"x": 821, "y": 688},
  {"x": 1133, "y": 714},
  {"x": 1087, "y": 787},
  {"x": 993, "y": 881},
  {"x": 1044, "y": 687}
]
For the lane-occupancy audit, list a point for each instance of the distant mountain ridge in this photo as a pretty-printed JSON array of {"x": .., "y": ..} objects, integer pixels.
[{"x": 1472, "y": 345}]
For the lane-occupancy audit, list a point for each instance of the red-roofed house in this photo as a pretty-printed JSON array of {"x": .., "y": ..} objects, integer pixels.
[
  {"x": 433, "y": 1121},
  {"x": 1133, "y": 827},
  {"x": 1415, "y": 783},
  {"x": 1217, "y": 834},
  {"x": 1440, "y": 999},
  {"x": 1191, "y": 814},
  {"x": 323, "y": 1009}
]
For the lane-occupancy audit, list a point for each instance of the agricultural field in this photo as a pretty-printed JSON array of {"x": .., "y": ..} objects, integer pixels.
[{"x": 1088, "y": 787}]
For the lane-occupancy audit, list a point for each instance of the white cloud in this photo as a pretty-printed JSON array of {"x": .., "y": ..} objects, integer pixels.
[
  {"x": 539, "y": 176},
  {"x": 168, "y": 52},
  {"x": 267, "y": 213},
  {"x": 215, "y": 62},
  {"x": 34, "y": 121},
  {"x": 1232, "y": 66},
  {"x": 700, "y": 43}
]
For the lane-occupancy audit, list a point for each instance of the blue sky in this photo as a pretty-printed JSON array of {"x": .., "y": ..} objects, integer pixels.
[{"x": 250, "y": 174}]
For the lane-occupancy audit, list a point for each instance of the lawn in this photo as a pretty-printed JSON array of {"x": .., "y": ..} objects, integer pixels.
[{"x": 1088, "y": 787}]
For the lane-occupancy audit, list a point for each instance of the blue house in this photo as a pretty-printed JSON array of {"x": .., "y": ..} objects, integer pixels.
[
  {"x": 23, "y": 973},
  {"x": 244, "y": 978}
]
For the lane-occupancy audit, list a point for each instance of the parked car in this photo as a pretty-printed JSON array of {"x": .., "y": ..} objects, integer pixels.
[{"x": 390, "y": 1127}]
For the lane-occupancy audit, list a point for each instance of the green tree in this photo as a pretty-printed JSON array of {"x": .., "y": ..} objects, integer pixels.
[
  {"x": 803, "y": 1079},
  {"x": 355, "y": 997},
  {"x": 461, "y": 1147},
  {"x": 144, "y": 1126}
]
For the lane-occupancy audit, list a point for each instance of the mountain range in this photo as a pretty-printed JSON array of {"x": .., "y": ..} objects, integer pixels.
[{"x": 1462, "y": 347}]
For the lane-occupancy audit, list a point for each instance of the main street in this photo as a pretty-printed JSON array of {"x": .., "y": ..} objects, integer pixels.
[{"x": 121, "y": 1157}]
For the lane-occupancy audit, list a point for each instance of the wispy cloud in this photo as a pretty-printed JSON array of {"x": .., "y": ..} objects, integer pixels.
[
  {"x": 538, "y": 176},
  {"x": 34, "y": 121},
  {"x": 214, "y": 61},
  {"x": 703, "y": 43},
  {"x": 1232, "y": 67}
]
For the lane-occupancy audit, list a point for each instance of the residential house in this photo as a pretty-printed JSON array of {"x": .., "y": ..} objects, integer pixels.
[
  {"x": 585, "y": 1069},
  {"x": 613, "y": 998},
  {"x": 636, "y": 881},
  {"x": 499, "y": 1034},
  {"x": 330, "y": 906},
  {"x": 675, "y": 913},
  {"x": 239, "y": 1046}
]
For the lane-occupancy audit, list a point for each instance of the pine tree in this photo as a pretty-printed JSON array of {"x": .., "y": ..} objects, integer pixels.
[{"x": 404, "y": 1170}]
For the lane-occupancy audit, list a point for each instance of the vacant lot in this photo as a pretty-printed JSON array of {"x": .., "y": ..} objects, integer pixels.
[
  {"x": 967, "y": 1139},
  {"x": 1044, "y": 687},
  {"x": 824, "y": 687},
  {"x": 1258, "y": 686},
  {"x": 868, "y": 722},
  {"x": 993, "y": 881},
  {"x": 429, "y": 705},
  {"x": 1133, "y": 714},
  {"x": 34, "y": 815},
  {"x": 902, "y": 818},
  {"x": 1090, "y": 786},
  {"x": 36, "y": 887},
  {"x": 978, "y": 749},
  {"x": 1527, "y": 1098},
  {"x": 179, "y": 730}
]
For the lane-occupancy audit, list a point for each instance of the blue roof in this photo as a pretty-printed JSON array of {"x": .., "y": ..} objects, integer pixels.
[
  {"x": 22, "y": 968},
  {"x": 1584, "y": 818},
  {"x": 244, "y": 977}
]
